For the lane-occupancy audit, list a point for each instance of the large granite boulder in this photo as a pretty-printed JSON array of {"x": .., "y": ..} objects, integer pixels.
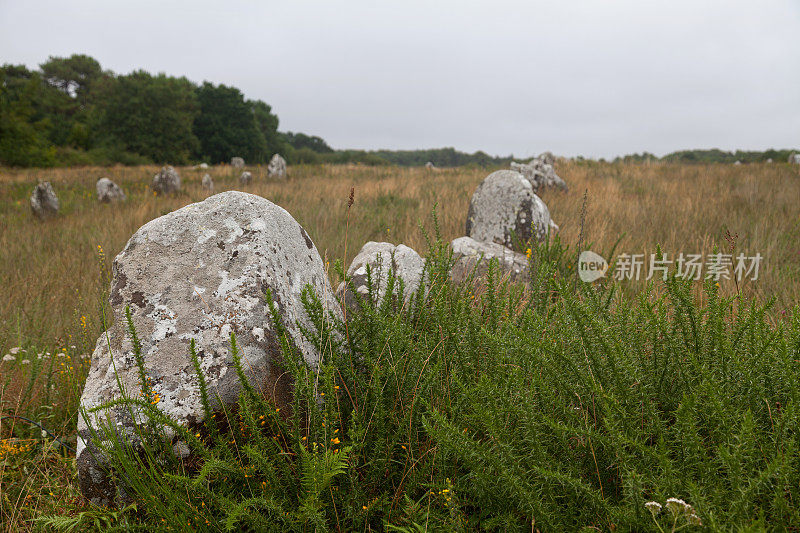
[
  {"x": 237, "y": 162},
  {"x": 245, "y": 178},
  {"x": 473, "y": 257},
  {"x": 44, "y": 202},
  {"x": 504, "y": 208},
  {"x": 276, "y": 167},
  {"x": 167, "y": 181},
  {"x": 207, "y": 182},
  {"x": 200, "y": 273},
  {"x": 381, "y": 257},
  {"x": 108, "y": 191}
]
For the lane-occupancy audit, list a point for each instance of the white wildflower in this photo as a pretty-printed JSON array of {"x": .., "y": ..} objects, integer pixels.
[
  {"x": 25, "y": 362},
  {"x": 15, "y": 350},
  {"x": 676, "y": 506},
  {"x": 61, "y": 355},
  {"x": 653, "y": 507},
  {"x": 9, "y": 357},
  {"x": 694, "y": 520}
]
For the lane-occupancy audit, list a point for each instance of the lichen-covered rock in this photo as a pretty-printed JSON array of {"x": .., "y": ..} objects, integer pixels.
[
  {"x": 503, "y": 208},
  {"x": 44, "y": 202},
  {"x": 547, "y": 158},
  {"x": 167, "y": 181},
  {"x": 276, "y": 167},
  {"x": 245, "y": 178},
  {"x": 381, "y": 256},
  {"x": 207, "y": 182},
  {"x": 108, "y": 191},
  {"x": 472, "y": 256},
  {"x": 200, "y": 273},
  {"x": 540, "y": 174},
  {"x": 237, "y": 162}
]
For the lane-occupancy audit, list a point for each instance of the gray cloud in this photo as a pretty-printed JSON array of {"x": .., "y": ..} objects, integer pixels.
[{"x": 597, "y": 78}]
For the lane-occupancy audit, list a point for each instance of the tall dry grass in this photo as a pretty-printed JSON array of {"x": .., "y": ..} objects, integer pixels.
[{"x": 52, "y": 272}]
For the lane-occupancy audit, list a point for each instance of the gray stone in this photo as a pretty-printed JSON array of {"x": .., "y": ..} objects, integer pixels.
[
  {"x": 381, "y": 256},
  {"x": 108, "y": 191},
  {"x": 44, "y": 202},
  {"x": 794, "y": 159},
  {"x": 276, "y": 167},
  {"x": 245, "y": 178},
  {"x": 504, "y": 205},
  {"x": 237, "y": 162},
  {"x": 208, "y": 183},
  {"x": 167, "y": 181},
  {"x": 737, "y": 162},
  {"x": 547, "y": 158},
  {"x": 200, "y": 273},
  {"x": 473, "y": 257},
  {"x": 540, "y": 174},
  {"x": 430, "y": 166},
  {"x": 201, "y": 166}
]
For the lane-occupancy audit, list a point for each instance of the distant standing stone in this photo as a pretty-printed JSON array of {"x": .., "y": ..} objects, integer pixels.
[
  {"x": 429, "y": 165},
  {"x": 737, "y": 162},
  {"x": 794, "y": 159},
  {"x": 276, "y": 167},
  {"x": 208, "y": 183},
  {"x": 237, "y": 162},
  {"x": 503, "y": 208},
  {"x": 547, "y": 158},
  {"x": 44, "y": 202},
  {"x": 381, "y": 257},
  {"x": 245, "y": 178},
  {"x": 167, "y": 181},
  {"x": 108, "y": 191},
  {"x": 202, "y": 166}
]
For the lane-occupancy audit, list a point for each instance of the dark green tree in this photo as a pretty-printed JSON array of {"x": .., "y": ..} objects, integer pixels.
[
  {"x": 151, "y": 116},
  {"x": 226, "y": 126}
]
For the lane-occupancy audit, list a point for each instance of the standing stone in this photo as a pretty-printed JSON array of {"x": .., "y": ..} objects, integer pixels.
[
  {"x": 381, "y": 257},
  {"x": 167, "y": 181},
  {"x": 737, "y": 162},
  {"x": 503, "y": 208},
  {"x": 794, "y": 159},
  {"x": 44, "y": 202},
  {"x": 201, "y": 166},
  {"x": 108, "y": 191},
  {"x": 429, "y": 165},
  {"x": 769, "y": 160},
  {"x": 540, "y": 175},
  {"x": 200, "y": 273},
  {"x": 237, "y": 162},
  {"x": 472, "y": 256},
  {"x": 245, "y": 178},
  {"x": 547, "y": 158},
  {"x": 276, "y": 167},
  {"x": 208, "y": 183}
]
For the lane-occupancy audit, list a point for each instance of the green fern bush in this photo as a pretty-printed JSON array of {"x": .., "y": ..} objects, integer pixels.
[{"x": 486, "y": 406}]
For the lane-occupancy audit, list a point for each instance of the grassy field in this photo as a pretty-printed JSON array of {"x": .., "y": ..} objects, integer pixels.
[{"x": 55, "y": 273}]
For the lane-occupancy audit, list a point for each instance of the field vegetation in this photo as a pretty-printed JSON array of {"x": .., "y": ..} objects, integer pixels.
[{"x": 559, "y": 407}]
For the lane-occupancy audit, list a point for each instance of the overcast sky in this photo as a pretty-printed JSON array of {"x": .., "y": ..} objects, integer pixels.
[{"x": 594, "y": 78}]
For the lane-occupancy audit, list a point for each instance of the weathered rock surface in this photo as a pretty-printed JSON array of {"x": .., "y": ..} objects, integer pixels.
[
  {"x": 473, "y": 256},
  {"x": 237, "y": 162},
  {"x": 540, "y": 174},
  {"x": 505, "y": 207},
  {"x": 167, "y": 181},
  {"x": 44, "y": 202},
  {"x": 245, "y": 178},
  {"x": 108, "y": 191},
  {"x": 208, "y": 183},
  {"x": 547, "y": 158},
  {"x": 276, "y": 167},
  {"x": 382, "y": 256},
  {"x": 200, "y": 273}
]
